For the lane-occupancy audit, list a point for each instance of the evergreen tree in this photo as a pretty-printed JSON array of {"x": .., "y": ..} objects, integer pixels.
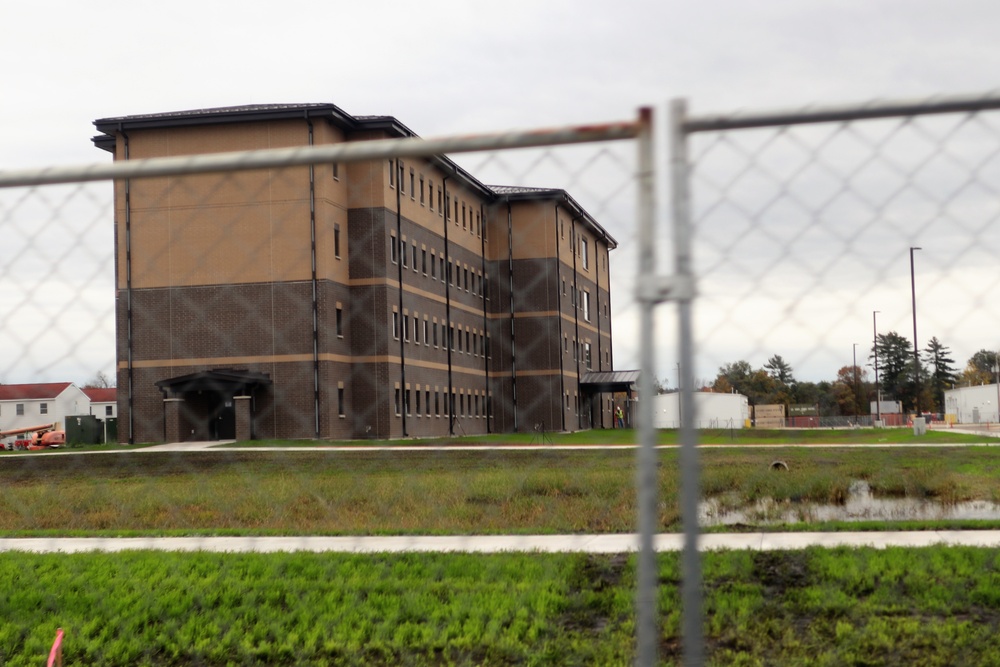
[
  {"x": 941, "y": 371},
  {"x": 895, "y": 363}
]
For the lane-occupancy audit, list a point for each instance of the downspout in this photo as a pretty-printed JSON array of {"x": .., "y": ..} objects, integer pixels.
[
  {"x": 446, "y": 333},
  {"x": 128, "y": 299},
  {"x": 559, "y": 339},
  {"x": 576, "y": 324},
  {"x": 482, "y": 289},
  {"x": 315, "y": 296},
  {"x": 399, "y": 274},
  {"x": 510, "y": 301},
  {"x": 600, "y": 357}
]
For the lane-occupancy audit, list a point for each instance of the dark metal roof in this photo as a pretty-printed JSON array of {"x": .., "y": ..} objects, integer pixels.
[{"x": 609, "y": 381}]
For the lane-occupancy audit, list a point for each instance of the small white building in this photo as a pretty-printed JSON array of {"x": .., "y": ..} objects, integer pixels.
[
  {"x": 712, "y": 410},
  {"x": 973, "y": 405},
  {"x": 25, "y": 405},
  {"x": 103, "y": 401}
]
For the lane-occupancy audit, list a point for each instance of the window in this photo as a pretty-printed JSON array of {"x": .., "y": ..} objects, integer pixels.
[
  {"x": 423, "y": 260},
  {"x": 468, "y": 348},
  {"x": 466, "y": 279},
  {"x": 336, "y": 241},
  {"x": 451, "y": 337},
  {"x": 395, "y": 325},
  {"x": 478, "y": 226},
  {"x": 437, "y": 403},
  {"x": 586, "y": 305},
  {"x": 430, "y": 194},
  {"x": 434, "y": 329},
  {"x": 19, "y": 409},
  {"x": 340, "y": 322},
  {"x": 434, "y": 266},
  {"x": 463, "y": 215},
  {"x": 392, "y": 184},
  {"x": 447, "y": 206},
  {"x": 340, "y": 401},
  {"x": 43, "y": 409},
  {"x": 336, "y": 171},
  {"x": 393, "y": 250},
  {"x": 108, "y": 411},
  {"x": 418, "y": 401},
  {"x": 413, "y": 192},
  {"x": 459, "y": 339},
  {"x": 426, "y": 339},
  {"x": 584, "y": 254},
  {"x": 440, "y": 207},
  {"x": 456, "y": 213},
  {"x": 416, "y": 331},
  {"x": 406, "y": 401},
  {"x": 402, "y": 183},
  {"x": 415, "y": 268},
  {"x": 404, "y": 253},
  {"x": 586, "y": 354},
  {"x": 406, "y": 328},
  {"x": 397, "y": 401},
  {"x": 564, "y": 286},
  {"x": 427, "y": 402}
]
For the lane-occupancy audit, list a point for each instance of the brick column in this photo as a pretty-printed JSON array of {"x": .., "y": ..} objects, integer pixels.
[
  {"x": 243, "y": 418},
  {"x": 172, "y": 418}
]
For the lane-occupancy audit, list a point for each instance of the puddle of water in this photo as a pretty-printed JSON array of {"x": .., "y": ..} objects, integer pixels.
[{"x": 860, "y": 506}]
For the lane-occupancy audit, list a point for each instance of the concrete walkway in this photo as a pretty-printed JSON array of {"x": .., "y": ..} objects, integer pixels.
[{"x": 501, "y": 543}]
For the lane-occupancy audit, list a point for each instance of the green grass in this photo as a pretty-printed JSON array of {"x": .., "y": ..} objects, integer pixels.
[
  {"x": 363, "y": 491},
  {"x": 928, "y": 606}
]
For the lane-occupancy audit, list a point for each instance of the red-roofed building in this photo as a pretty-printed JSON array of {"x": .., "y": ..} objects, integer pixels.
[
  {"x": 103, "y": 401},
  {"x": 23, "y": 405}
]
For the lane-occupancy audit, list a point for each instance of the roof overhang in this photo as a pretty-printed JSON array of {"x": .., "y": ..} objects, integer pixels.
[
  {"x": 609, "y": 381},
  {"x": 226, "y": 381}
]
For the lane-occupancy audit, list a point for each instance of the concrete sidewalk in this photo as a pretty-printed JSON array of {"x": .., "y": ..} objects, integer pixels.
[{"x": 500, "y": 543}]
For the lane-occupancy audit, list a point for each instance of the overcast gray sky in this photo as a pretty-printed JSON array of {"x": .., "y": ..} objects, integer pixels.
[{"x": 446, "y": 67}]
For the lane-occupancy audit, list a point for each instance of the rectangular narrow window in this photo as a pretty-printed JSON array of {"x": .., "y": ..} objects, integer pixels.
[
  {"x": 586, "y": 305},
  {"x": 426, "y": 340},
  {"x": 404, "y": 253},
  {"x": 406, "y": 328},
  {"x": 468, "y": 347},
  {"x": 340, "y": 401},
  {"x": 418, "y": 401},
  {"x": 336, "y": 241},
  {"x": 393, "y": 250},
  {"x": 586, "y": 354},
  {"x": 108, "y": 411},
  {"x": 422, "y": 190},
  {"x": 466, "y": 279},
  {"x": 447, "y": 207},
  {"x": 416, "y": 329},
  {"x": 340, "y": 322},
  {"x": 392, "y": 173},
  {"x": 463, "y": 215},
  {"x": 423, "y": 260},
  {"x": 336, "y": 171},
  {"x": 456, "y": 212},
  {"x": 415, "y": 267},
  {"x": 395, "y": 325},
  {"x": 460, "y": 340},
  {"x": 440, "y": 207},
  {"x": 434, "y": 330},
  {"x": 397, "y": 401},
  {"x": 427, "y": 402},
  {"x": 406, "y": 401},
  {"x": 412, "y": 193},
  {"x": 402, "y": 183},
  {"x": 584, "y": 255},
  {"x": 430, "y": 194},
  {"x": 437, "y": 403}
]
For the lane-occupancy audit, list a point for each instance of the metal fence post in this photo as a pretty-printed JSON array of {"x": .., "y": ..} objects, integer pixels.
[
  {"x": 647, "y": 626},
  {"x": 692, "y": 631}
]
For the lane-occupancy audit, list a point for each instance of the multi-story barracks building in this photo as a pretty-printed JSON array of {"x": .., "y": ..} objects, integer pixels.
[{"x": 389, "y": 299}]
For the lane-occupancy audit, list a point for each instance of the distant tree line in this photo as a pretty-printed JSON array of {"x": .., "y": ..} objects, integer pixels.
[{"x": 900, "y": 378}]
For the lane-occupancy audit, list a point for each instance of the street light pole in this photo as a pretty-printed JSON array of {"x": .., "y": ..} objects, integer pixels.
[
  {"x": 878, "y": 395},
  {"x": 916, "y": 354},
  {"x": 854, "y": 354}
]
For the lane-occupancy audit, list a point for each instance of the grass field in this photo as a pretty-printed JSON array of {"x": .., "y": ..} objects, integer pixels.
[{"x": 935, "y": 606}]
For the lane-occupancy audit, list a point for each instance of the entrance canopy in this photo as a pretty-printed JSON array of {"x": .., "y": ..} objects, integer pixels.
[
  {"x": 608, "y": 382},
  {"x": 225, "y": 381}
]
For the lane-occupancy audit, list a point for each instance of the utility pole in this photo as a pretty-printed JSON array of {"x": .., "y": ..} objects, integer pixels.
[
  {"x": 916, "y": 354},
  {"x": 878, "y": 393}
]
